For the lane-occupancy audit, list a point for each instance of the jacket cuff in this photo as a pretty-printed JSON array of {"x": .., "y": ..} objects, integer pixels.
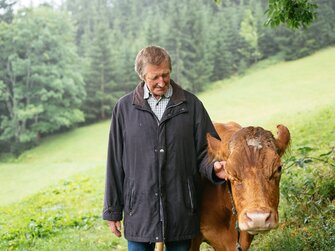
[{"x": 111, "y": 216}]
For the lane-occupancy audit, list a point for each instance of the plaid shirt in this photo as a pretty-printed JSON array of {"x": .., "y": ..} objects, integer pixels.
[{"x": 158, "y": 106}]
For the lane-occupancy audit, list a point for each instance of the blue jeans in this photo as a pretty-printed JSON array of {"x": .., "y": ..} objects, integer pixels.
[{"x": 169, "y": 246}]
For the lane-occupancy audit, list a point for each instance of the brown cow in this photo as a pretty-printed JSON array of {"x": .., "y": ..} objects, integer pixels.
[{"x": 254, "y": 169}]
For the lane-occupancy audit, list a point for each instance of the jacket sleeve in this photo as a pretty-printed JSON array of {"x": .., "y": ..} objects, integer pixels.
[
  {"x": 113, "y": 201},
  {"x": 203, "y": 126}
]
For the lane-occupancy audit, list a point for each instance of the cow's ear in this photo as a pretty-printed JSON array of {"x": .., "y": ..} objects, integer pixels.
[
  {"x": 213, "y": 145},
  {"x": 283, "y": 138}
]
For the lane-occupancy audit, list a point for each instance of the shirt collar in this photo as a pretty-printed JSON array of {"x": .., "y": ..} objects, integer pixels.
[{"x": 147, "y": 92}]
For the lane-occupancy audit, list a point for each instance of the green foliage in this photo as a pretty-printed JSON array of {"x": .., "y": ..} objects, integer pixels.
[
  {"x": 100, "y": 76},
  {"x": 101, "y": 35},
  {"x": 42, "y": 78},
  {"x": 211, "y": 44},
  {"x": 6, "y": 10},
  {"x": 315, "y": 187},
  {"x": 188, "y": 44},
  {"x": 296, "y": 14},
  {"x": 249, "y": 33},
  {"x": 41, "y": 88},
  {"x": 303, "y": 42}
]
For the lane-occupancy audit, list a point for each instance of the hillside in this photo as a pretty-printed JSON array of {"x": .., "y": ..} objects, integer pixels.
[
  {"x": 56, "y": 158},
  {"x": 276, "y": 94},
  {"x": 278, "y": 91}
]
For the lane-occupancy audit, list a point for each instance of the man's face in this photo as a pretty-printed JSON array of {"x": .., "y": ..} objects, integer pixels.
[{"x": 157, "y": 78}]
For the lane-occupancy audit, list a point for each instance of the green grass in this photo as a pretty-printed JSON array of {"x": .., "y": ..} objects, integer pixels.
[
  {"x": 282, "y": 90},
  {"x": 57, "y": 157},
  {"x": 97, "y": 238},
  {"x": 65, "y": 216}
]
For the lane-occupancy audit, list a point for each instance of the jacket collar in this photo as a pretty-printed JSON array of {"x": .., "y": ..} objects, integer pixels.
[
  {"x": 147, "y": 92},
  {"x": 177, "y": 97}
]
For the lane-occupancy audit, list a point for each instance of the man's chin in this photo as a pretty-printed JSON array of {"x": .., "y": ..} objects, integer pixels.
[{"x": 160, "y": 92}]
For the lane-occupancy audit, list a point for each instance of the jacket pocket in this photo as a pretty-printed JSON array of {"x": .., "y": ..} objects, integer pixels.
[
  {"x": 192, "y": 195},
  {"x": 131, "y": 197}
]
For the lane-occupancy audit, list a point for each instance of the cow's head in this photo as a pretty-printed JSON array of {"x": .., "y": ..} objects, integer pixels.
[{"x": 254, "y": 170}]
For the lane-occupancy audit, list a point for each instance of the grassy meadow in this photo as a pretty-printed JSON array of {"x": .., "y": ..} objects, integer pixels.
[
  {"x": 51, "y": 196},
  {"x": 267, "y": 94},
  {"x": 56, "y": 158}
]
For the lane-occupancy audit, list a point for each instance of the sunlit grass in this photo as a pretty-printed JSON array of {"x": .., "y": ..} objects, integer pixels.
[
  {"x": 275, "y": 93},
  {"x": 57, "y": 157}
]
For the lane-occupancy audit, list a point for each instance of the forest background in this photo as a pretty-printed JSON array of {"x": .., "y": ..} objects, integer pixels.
[
  {"x": 63, "y": 66},
  {"x": 67, "y": 66}
]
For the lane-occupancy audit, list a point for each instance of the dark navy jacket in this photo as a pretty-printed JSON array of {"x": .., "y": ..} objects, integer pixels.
[{"x": 153, "y": 170}]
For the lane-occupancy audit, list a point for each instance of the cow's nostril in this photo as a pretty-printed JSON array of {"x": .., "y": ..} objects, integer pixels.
[
  {"x": 247, "y": 217},
  {"x": 258, "y": 218},
  {"x": 268, "y": 218}
]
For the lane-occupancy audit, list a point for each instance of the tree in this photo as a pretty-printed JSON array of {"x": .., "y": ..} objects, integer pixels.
[
  {"x": 293, "y": 13},
  {"x": 100, "y": 76},
  {"x": 197, "y": 65},
  {"x": 225, "y": 40},
  {"x": 41, "y": 86},
  {"x": 249, "y": 33},
  {"x": 187, "y": 40},
  {"x": 6, "y": 10}
]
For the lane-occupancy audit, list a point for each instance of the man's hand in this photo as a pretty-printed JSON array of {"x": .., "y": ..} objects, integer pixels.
[
  {"x": 115, "y": 227},
  {"x": 219, "y": 169}
]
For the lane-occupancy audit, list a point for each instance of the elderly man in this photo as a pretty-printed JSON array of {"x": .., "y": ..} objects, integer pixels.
[{"x": 156, "y": 154}]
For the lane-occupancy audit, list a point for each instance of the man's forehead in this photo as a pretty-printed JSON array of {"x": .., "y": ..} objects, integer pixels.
[{"x": 154, "y": 69}]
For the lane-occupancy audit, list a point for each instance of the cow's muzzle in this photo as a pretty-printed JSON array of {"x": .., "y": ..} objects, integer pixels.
[{"x": 258, "y": 221}]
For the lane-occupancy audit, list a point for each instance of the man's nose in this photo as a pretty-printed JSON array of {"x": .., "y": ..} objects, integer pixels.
[{"x": 161, "y": 81}]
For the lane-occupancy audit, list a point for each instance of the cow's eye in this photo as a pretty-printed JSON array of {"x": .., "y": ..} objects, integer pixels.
[
  {"x": 276, "y": 172},
  {"x": 279, "y": 169}
]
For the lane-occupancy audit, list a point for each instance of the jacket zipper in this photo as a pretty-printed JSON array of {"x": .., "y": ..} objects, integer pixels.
[{"x": 161, "y": 210}]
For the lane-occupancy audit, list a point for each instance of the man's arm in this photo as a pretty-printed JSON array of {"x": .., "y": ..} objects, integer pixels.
[{"x": 113, "y": 202}]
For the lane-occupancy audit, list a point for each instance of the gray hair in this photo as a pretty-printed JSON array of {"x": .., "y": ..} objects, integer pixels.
[{"x": 151, "y": 55}]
